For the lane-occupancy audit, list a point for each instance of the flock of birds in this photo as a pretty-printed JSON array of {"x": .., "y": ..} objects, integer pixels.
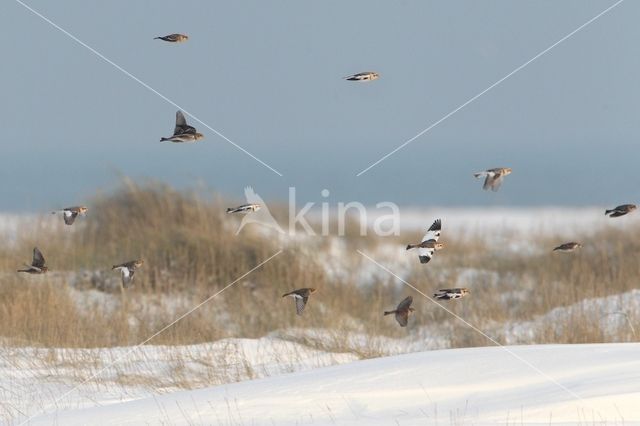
[{"x": 427, "y": 247}]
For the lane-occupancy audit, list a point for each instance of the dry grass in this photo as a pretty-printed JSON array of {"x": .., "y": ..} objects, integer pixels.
[{"x": 191, "y": 252}]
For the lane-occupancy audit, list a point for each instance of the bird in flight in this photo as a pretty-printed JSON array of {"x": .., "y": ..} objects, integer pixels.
[
  {"x": 363, "y": 76},
  {"x": 301, "y": 297},
  {"x": 451, "y": 293},
  {"x": 182, "y": 132},
  {"x": 493, "y": 177},
  {"x": 429, "y": 244},
  {"x": 568, "y": 247},
  {"x": 403, "y": 311},
  {"x": 245, "y": 208},
  {"x": 71, "y": 213},
  {"x": 621, "y": 210},
  {"x": 173, "y": 38},
  {"x": 127, "y": 270},
  {"x": 37, "y": 264}
]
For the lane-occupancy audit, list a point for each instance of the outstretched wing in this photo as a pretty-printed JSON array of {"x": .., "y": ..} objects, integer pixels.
[
  {"x": 404, "y": 305},
  {"x": 38, "y": 258},
  {"x": 402, "y": 317},
  {"x": 69, "y": 217},
  {"x": 181, "y": 125},
  {"x": 433, "y": 233},
  {"x": 127, "y": 276},
  {"x": 301, "y": 303}
]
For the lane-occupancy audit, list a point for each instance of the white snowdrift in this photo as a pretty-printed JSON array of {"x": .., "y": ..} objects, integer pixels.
[{"x": 593, "y": 384}]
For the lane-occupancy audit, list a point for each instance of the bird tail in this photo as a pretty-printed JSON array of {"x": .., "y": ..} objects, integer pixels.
[
  {"x": 230, "y": 210},
  {"x": 410, "y": 246},
  {"x": 389, "y": 313},
  {"x": 22, "y": 270},
  {"x": 164, "y": 139},
  {"x": 438, "y": 296},
  {"x": 480, "y": 174},
  {"x": 287, "y": 294},
  {"x": 557, "y": 248},
  {"x": 606, "y": 212},
  {"x": 114, "y": 267},
  {"x": 157, "y": 38}
]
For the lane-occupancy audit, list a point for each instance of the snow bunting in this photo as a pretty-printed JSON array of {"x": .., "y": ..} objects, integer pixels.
[
  {"x": 451, "y": 293},
  {"x": 173, "y": 38},
  {"x": 621, "y": 210},
  {"x": 70, "y": 213},
  {"x": 403, "y": 311},
  {"x": 127, "y": 270},
  {"x": 568, "y": 247},
  {"x": 363, "y": 76},
  {"x": 37, "y": 264},
  {"x": 182, "y": 132},
  {"x": 245, "y": 208},
  {"x": 493, "y": 177},
  {"x": 301, "y": 296},
  {"x": 429, "y": 243}
]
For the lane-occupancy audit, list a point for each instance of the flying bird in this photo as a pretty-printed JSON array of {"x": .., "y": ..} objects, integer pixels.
[
  {"x": 363, "y": 76},
  {"x": 127, "y": 270},
  {"x": 493, "y": 177},
  {"x": 568, "y": 247},
  {"x": 182, "y": 132},
  {"x": 451, "y": 293},
  {"x": 70, "y": 213},
  {"x": 261, "y": 216},
  {"x": 37, "y": 264},
  {"x": 429, "y": 243},
  {"x": 301, "y": 296},
  {"x": 173, "y": 38},
  {"x": 621, "y": 210},
  {"x": 403, "y": 311},
  {"x": 245, "y": 208}
]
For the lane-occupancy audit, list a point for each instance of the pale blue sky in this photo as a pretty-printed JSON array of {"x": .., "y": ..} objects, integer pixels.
[{"x": 268, "y": 74}]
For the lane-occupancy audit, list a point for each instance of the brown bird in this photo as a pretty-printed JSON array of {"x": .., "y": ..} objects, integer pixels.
[
  {"x": 493, "y": 177},
  {"x": 182, "y": 132},
  {"x": 621, "y": 210},
  {"x": 363, "y": 76},
  {"x": 451, "y": 293},
  {"x": 568, "y": 247},
  {"x": 127, "y": 270},
  {"x": 301, "y": 296},
  {"x": 403, "y": 311},
  {"x": 429, "y": 243},
  {"x": 70, "y": 213},
  {"x": 173, "y": 38},
  {"x": 37, "y": 264}
]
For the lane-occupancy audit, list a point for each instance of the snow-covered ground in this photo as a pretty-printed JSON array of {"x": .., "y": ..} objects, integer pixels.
[{"x": 554, "y": 384}]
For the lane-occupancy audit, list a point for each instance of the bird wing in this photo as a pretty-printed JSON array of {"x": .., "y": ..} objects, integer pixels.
[
  {"x": 301, "y": 302},
  {"x": 38, "y": 258},
  {"x": 425, "y": 254},
  {"x": 127, "y": 275},
  {"x": 433, "y": 233},
  {"x": 181, "y": 125},
  {"x": 402, "y": 317},
  {"x": 404, "y": 305},
  {"x": 70, "y": 217}
]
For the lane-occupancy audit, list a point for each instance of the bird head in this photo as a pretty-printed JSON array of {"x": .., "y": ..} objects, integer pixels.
[
  {"x": 464, "y": 291},
  {"x": 44, "y": 269},
  {"x": 411, "y": 309},
  {"x": 312, "y": 290},
  {"x": 198, "y": 136},
  {"x": 438, "y": 246},
  {"x": 507, "y": 171},
  {"x": 375, "y": 75},
  {"x": 184, "y": 37},
  {"x": 139, "y": 263},
  {"x": 83, "y": 210},
  {"x": 633, "y": 207},
  {"x": 256, "y": 207}
]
